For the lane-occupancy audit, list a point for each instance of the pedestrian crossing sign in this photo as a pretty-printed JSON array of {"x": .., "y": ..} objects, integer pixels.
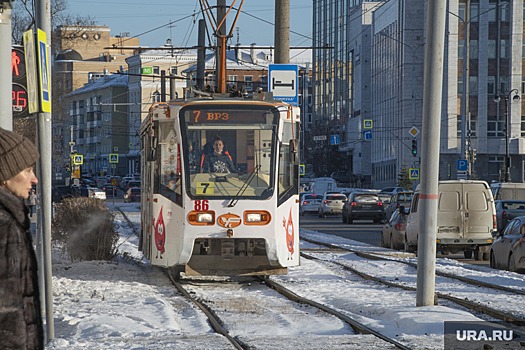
[
  {"x": 413, "y": 173},
  {"x": 113, "y": 158},
  {"x": 78, "y": 159}
]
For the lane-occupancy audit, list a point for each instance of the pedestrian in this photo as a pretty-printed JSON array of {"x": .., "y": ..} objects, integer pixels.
[
  {"x": 31, "y": 202},
  {"x": 20, "y": 314}
]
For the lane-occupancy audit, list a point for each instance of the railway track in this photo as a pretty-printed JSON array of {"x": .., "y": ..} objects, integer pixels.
[
  {"x": 447, "y": 287},
  {"x": 252, "y": 298}
]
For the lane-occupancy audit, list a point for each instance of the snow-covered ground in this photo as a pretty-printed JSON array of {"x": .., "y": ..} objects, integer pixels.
[{"x": 129, "y": 304}]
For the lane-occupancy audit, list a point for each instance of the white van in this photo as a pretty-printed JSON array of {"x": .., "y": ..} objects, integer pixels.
[
  {"x": 320, "y": 185},
  {"x": 466, "y": 219},
  {"x": 508, "y": 190}
]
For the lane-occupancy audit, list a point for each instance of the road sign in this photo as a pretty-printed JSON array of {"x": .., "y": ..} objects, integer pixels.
[
  {"x": 413, "y": 131},
  {"x": 413, "y": 173},
  {"x": 368, "y": 123},
  {"x": 44, "y": 72},
  {"x": 282, "y": 82},
  {"x": 462, "y": 165},
  {"x": 147, "y": 70},
  {"x": 320, "y": 138},
  {"x": 78, "y": 159},
  {"x": 113, "y": 158},
  {"x": 367, "y": 135},
  {"x": 335, "y": 140}
]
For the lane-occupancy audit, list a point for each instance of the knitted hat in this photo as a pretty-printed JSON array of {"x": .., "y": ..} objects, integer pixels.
[{"x": 16, "y": 154}]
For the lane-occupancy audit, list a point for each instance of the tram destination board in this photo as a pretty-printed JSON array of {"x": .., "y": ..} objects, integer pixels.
[{"x": 222, "y": 115}]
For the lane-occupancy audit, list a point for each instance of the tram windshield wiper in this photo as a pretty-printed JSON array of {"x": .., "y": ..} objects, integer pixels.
[{"x": 243, "y": 188}]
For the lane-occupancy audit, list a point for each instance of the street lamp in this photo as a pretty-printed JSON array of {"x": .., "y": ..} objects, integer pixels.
[{"x": 497, "y": 99}]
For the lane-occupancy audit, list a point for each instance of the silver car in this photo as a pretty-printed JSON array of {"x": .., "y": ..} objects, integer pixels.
[
  {"x": 508, "y": 249},
  {"x": 309, "y": 203},
  {"x": 331, "y": 204}
]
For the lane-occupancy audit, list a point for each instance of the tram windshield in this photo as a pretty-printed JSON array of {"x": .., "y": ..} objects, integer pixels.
[{"x": 229, "y": 150}]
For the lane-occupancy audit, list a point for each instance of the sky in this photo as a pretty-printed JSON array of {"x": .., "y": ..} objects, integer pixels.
[
  {"x": 128, "y": 304},
  {"x": 150, "y": 20}
]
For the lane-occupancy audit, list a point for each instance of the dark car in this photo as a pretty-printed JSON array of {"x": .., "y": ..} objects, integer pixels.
[
  {"x": 506, "y": 210},
  {"x": 132, "y": 195},
  {"x": 397, "y": 200},
  {"x": 110, "y": 190},
  {"x": 363, "y": 206},
  {"x": 508, "y": 249}
]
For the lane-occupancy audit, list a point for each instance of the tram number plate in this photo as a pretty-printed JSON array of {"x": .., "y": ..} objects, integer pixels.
[{"x": 205, "y": 188}]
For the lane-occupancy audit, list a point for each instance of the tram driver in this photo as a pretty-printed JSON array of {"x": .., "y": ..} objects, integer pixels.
[{"x": 218, "y": 161}]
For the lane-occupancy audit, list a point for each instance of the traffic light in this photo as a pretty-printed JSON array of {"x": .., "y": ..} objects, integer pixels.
[
  {"x": 414, "y": 147},
  {"x": 19, "y": 90}
]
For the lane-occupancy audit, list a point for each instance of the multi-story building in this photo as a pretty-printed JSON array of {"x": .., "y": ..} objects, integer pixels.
[
  {"x": 99, "y": 122},
  {"x": 487, "y": 34},
  {"x": 83, "y": 53}
]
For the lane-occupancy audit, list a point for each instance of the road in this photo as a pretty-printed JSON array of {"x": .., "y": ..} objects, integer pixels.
[{"x": 361, "y": 230}]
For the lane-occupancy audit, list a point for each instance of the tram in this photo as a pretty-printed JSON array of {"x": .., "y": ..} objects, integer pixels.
[{"x": 236, "y": 216}]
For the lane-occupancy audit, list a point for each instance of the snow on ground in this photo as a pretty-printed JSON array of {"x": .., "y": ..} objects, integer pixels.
[{"x": 129, "y": 304}]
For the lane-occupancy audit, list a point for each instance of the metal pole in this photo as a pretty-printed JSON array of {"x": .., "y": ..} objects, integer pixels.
[
  {"x": 282, "y": 31},
  {"x": 201, "y": 54},
  {"x": 465, "y": 81},
  {"x": 6, "y": 70},
  {"x": 428, "y": 198},
  {"x": 43, "y": 20},
  {"x": 507, "y": 157}
]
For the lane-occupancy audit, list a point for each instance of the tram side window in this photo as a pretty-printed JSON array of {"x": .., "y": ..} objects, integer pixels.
[
  {"x": 169, "y": 165},
  {"x": 288, "y": 170}
]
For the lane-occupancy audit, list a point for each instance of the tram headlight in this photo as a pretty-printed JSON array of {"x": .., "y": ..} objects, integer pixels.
[
  {"x": 257, "y": 217},
  {"x": 204, "y": 217},
  {"x": 201, "y": 218}
]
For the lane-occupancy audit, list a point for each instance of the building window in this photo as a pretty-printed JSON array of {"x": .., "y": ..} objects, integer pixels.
[
  {"x": 491, "y": 85},
  {"x": 156, "y": 70},
  {"x": 523, "y": 126},
  {"x": 174, "y": 70},
  {"x": 504, "y": 48},
  {"x": 248, "y": 85},
  {"x": 492, "y": 49},
  {"x": 495, "y": 165},
  {"x": 495, "y": 127}
]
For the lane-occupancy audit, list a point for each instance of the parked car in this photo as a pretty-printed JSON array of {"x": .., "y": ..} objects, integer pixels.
[
  {"x": 363, "y": 206},
  {"x": 331, "y": 204},
  {"x": 466, "y": 219},
  {"x": 506, "y": 210},
  {"x": 309, "y": 203},
  {"x": 393, "y": 232},
  {"x": 132, "y": 195},
  {"x": 508, "y": 249},
  {"x": 132, "y": 183},
  {"x": 399, "y": 199}
]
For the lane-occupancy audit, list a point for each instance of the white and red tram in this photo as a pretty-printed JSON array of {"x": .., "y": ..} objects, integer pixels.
[{"x": 220, "y": 221}]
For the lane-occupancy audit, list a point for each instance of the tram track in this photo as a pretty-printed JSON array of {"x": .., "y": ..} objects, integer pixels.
[
  {"x": 364, "y": 336},
  {"x": 517, "y": 317}
]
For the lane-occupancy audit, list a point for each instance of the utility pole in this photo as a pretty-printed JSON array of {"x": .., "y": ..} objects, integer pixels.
[
  {"x": 43, "y": 21},
  {"x": 220, "y": 76},
  {"x": 282, "y": 31},
  {"x": 201, "y": 54},
  {"x": 6, "y": 73},
  {"x": 428, "y": 198},
  {"x": 465, "y": 81}
]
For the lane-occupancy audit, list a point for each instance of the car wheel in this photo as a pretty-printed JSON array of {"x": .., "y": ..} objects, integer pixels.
[
  {"x": 468, "y": 254},
  {"x": 512, "y": 263},
  {"x": 492, "y": 260},
  {"x": 383, "y": 240},
  {"x": 343, "y": 218},
  {"x": 485, "y": 256},
  {"x": 320, "y": 214}
]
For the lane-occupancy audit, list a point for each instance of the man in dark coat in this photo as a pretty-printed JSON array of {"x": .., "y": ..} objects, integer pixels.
[{"x": 20, "y": 315}]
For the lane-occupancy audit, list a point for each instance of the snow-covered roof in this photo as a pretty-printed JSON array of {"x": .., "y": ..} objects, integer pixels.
[{"x": 108, "y": 80}]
